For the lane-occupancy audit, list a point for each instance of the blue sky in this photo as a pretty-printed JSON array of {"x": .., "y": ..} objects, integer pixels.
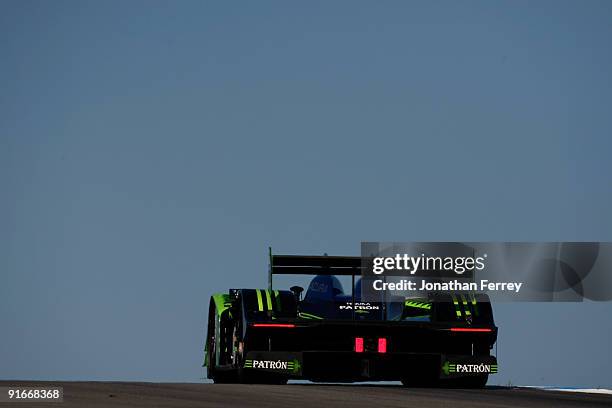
[{"x": 151, "y": 151}]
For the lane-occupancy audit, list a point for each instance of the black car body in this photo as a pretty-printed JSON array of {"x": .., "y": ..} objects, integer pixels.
[{"x": 268, "y": 335}]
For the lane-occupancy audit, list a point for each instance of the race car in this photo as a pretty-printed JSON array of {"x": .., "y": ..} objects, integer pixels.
[{"x": 328, "y": 335}]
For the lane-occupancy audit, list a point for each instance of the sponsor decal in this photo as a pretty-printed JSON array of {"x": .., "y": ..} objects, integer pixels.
[
  {"x": 459, "y": 368},
  {"x": 282, "y": 365},
  {"x": 359, "y": 306}
]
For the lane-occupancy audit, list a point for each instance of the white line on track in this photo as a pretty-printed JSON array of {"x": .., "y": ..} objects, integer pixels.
[{"x": 586, "y": 390}]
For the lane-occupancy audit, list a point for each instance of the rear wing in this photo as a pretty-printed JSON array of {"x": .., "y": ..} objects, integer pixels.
[{"x": 312, "y": 265}]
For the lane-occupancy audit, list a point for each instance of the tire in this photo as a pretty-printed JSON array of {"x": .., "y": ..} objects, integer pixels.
[
  {"x": 210, "y": 342},
  {"x": 218, "y": 376}
]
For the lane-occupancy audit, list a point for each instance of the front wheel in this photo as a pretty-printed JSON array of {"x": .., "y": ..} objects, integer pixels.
[{"x": 216, "y": 340}]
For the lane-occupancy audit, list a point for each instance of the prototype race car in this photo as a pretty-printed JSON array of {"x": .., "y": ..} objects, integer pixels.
[{"x": 271, "y": 336}]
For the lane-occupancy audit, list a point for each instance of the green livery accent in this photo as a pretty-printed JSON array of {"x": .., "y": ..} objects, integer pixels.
[
  {"x": 305, "y": 315},
  {"x": 259, "y": 300},
  {"x": 457, "y": 308},
  {"x": 296, "y": 366},
  {"x": 469, "y": 303},
  {"x": 465, "y": 306},
  {"x": 272, "y": 297},
  {"x": 277, "y": 300},
  {"x": 222, "y": 302},
  {"x": 474, "y": 304},
  {"x": 419, "y": 305}
]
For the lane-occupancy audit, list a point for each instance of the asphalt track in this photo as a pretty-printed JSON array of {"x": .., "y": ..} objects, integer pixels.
[{"x": 135, "y": 394}]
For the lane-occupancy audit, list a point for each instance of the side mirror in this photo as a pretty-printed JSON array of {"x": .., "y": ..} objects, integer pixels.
[{"x": 297, "y": 292}]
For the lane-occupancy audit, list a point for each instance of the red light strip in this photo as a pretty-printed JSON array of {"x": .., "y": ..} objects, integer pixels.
[
  {"x": 359, "y": 344},
  {"x": 382, "y": 345},
  {"x": 470, "y": 329},
  {"x": 285, "y": 325}
]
